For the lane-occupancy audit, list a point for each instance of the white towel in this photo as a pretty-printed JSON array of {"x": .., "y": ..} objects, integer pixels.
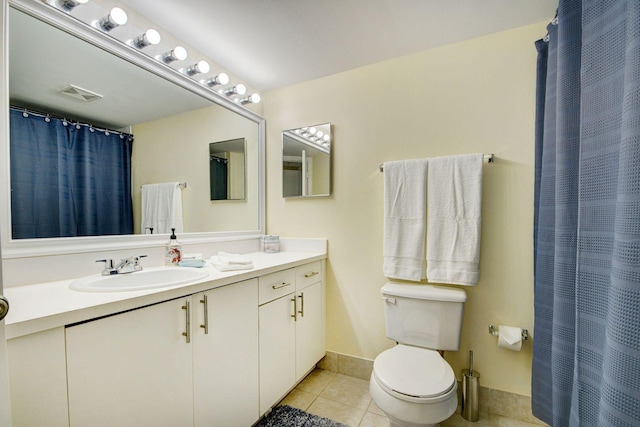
[
  {"x": 454, "y": 205},
  {"x": 228, "y": 258},
  {"x": 405, "y": 201},
  {"x": 223, "y": 266},
  {"x": 161, "y": 208}
]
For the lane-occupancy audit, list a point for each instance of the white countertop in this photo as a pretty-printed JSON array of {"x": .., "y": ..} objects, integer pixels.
[{"x": 43, "y": 306}]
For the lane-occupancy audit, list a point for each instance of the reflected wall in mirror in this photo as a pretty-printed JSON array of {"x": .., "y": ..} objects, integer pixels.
[
  {"x": 306, "y": 161},
  {"x": 226, "y": 169},
  {"x": 172, "y": 124}
]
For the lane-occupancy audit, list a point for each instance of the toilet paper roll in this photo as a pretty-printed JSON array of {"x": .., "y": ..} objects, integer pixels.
[{"x": 510, "y": 337}]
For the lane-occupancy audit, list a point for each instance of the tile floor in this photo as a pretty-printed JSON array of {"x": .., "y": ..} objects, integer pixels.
[{"x": 346, "y": 400}]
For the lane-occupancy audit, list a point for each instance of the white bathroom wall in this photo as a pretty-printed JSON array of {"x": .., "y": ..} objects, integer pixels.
[{"x": 475, "y": 96}]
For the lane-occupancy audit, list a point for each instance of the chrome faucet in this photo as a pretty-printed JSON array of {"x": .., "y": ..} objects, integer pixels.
[{"x": 126, "y": 265}]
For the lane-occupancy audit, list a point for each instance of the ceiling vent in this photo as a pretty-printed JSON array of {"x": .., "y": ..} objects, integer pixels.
[{"x": 79, "y": 93}]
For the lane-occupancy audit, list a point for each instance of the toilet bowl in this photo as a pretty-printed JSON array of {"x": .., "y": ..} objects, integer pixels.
[{"x": 413, "y": 386}]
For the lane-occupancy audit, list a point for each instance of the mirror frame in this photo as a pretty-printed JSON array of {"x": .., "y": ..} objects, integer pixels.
[{"x": 13, "y": 248}]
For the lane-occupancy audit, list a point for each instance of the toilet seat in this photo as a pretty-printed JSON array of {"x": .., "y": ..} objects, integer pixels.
[{"x": 413, "y": 374}]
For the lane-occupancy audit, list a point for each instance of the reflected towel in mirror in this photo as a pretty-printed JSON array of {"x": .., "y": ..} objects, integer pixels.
[{"x": 162, "y": 207}]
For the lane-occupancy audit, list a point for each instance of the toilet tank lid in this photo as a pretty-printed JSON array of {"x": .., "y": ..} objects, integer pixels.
[{"x": 430, "y": 292}]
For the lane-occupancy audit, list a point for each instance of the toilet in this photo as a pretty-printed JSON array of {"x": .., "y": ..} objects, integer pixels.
[{"x": 411, "y": 383}]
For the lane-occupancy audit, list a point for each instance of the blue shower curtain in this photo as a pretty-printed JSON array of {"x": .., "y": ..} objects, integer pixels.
[
  {"x": 68, "y": 180},
  {"x": 586, "y": 357}
]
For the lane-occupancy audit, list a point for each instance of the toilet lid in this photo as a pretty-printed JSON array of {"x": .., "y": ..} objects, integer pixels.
[{"x": 413, "y": 371}]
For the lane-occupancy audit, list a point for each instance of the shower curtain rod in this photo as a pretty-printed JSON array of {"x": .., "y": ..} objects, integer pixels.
[
  {"x": 37, "y": 113},
  {"x": 488, "y": 158}
]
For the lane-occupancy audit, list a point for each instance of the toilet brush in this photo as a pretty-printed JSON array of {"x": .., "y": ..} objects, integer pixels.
[{"x": 470, "y": 390}]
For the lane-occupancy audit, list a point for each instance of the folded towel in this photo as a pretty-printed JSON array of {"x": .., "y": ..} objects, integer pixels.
[
  {"x": 161, "y": 207},
  {"x": 454, "y": 205},
  {"x": 228, "y": 258},
  {"x": 405, "y": 200},
  {"x": 223, "y": 266}
]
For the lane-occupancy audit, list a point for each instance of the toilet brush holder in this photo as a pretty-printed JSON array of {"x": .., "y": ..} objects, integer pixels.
[{"x": 470, "y": 392}]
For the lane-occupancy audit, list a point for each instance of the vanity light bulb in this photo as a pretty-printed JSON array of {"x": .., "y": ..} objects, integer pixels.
[
  {"x": 148, "y": 38},
  {"x": 312, "y": 131},
  {"x": 238, "y": 89},
  {"x": 254, "y": 98},
  {"x": 177, "y": 54},
  {"x": 326, "y": 138},
  {"x": 70, "y": 4},
  {"x": 319, "y": 134},
  {"x": 197, "y": 68},
  {"x": 220, "y": 79},
  {"x": 114, "y": 19}
]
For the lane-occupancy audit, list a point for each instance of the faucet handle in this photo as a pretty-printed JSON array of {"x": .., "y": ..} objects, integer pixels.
[
  {"x": 136, "y": 262},
  {"x": 108, "y": 266},
  {"x": 108, "y": 263}
]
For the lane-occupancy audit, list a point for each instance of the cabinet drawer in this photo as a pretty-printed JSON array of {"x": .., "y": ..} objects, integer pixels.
[
  {"x": 276, "y": 284},
  {"x": 308, "y": 274}
]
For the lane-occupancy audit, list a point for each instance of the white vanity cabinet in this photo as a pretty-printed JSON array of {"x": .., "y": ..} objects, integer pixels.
[
  {"x": 310, "y": 324},
  {"x": 128, "y": 362},
  {"x": 292, "y": 328},
  {"x": 225, "y": 355},
  {"x": 132, "y": 369},
  {"x": 158, "y": 365}
]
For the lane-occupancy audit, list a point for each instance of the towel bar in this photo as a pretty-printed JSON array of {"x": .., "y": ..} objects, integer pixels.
[
  {"x": 180, "y": 184},
  {"x": 488, "y": 158}
]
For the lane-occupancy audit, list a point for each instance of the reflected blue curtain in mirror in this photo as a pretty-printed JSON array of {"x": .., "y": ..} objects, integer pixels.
[
  {"x": 586, "y": 355},
  {"x": 68, "y": 180}
]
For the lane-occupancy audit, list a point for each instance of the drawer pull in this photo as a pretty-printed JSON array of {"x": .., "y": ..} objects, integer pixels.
[
  {"x": 281, "y": 285},
  {"x": 313, "y": 273},
  {"x": 187, "y": 333}
]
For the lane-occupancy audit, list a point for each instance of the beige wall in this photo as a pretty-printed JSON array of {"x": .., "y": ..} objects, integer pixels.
[
  {"x": 176, "y": 148},
  {"x": 475, "y": 96}
]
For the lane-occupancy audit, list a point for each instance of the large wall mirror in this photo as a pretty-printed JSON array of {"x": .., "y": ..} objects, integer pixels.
[
  {"x": 173, "y": 119},
  {"x": 306, "y": 161}
]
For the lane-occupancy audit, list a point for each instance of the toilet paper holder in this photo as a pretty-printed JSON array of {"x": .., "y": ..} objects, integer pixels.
[{"x": 494, "y": 331}]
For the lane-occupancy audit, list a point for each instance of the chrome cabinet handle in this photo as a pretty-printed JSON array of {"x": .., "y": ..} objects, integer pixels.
[
  {"x": 4, "y": 307},
  {"x": 281, "y": 285},
  {"x": 187, "y": 333},
  {"x": 295, "y": 308},
  {"x": 301, "y": 304},
  {"x": 313, "y": 273},
  {"x": 206, "y": 314}
]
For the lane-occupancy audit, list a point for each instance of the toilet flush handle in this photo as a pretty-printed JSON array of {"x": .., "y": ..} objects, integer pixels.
[{"x": 389, "y": 300}]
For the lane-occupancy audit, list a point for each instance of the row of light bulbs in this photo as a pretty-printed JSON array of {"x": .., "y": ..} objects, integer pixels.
[
  {"x": 118, "y": 17},
  {"x": 314, "y": 135}
]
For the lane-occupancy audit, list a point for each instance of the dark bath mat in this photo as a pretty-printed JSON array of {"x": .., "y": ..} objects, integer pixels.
[{"x": 286, "y": 416}]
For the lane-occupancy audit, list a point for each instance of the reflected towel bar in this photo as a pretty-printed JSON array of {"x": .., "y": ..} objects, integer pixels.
[
  {"x": 180, "y": 184},
  {"x": 488, "y": 158}
]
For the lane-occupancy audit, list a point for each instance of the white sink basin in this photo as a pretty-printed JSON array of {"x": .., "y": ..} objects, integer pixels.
[{"x": 151, "y": 278}]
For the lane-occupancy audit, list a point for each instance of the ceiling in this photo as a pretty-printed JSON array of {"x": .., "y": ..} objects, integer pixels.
[{"x": 276, "y": 43}]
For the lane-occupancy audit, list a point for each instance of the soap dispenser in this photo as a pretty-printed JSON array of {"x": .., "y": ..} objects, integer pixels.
[{"x": 173, "y": 254}]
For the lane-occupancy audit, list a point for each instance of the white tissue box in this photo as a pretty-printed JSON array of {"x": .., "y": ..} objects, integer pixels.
[{"x": 270, "y": 244}]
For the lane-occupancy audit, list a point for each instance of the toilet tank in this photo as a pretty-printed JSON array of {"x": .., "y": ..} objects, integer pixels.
[{"x": 424, "y": 315}]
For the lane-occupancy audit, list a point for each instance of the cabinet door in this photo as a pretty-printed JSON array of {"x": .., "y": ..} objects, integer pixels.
[
  {"x": 131, "y": 369},
  {"x": 226, "y": 355},
  {"x": 277, "y": 350},
  {"x": 310, "y": 339}
]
